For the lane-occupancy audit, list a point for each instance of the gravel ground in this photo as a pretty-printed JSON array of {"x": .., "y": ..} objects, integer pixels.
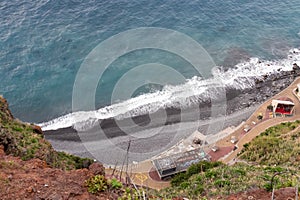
[{"x": 109, "y": 141}]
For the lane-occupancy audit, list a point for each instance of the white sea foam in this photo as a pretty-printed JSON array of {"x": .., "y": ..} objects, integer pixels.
[{"x": 241, "y": 76}]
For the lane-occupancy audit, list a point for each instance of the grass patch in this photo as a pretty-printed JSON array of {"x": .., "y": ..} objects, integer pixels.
[
  {"x": 275, "y": 146},
  {"x": 225, "y": 180}
]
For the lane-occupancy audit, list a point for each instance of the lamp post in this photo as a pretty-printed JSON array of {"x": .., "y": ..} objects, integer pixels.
[
  {"x": 297, "y": 186},
  {"x": 279, "y": 173},
  {"x": 272, "y": 184}
]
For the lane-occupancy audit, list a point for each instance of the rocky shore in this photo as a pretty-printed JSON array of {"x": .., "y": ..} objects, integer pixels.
[{"x": 110, "y": 140}]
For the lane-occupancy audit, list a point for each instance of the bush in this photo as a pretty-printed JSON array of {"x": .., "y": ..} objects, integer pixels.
[
  {"x": 273, "y": 146},
  {"x": 221, "y": 183},
  {"x": 270, "y": 107},
  {"x": 202, "y": 166},
  {"x": 240, "y": 172},
  {"x": 72, "y": 161},
  {"x": 199, "y": 179},
  {"x": 268, "y": 187},
  {"x": 274, "y": 169},
  {"x": 17, "y": 128},
  {"x": 115, "y": 184},
  {"x": 211, "y": 174},
  {"x": 184, "y": 185},
  {"x": 198, "y": 190},
  {"x": 178, "y": 178},
  {"x": 193, "y": 169},
  {"x": 246, "y": 145},
  {"x": 96, "y": 184}
]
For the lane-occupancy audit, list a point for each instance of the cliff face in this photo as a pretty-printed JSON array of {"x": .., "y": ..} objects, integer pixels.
[
  {"x": 34, "y": 179},
  {"x": 5, "y": 114},
  {"x": 27, "y": 141},
  {"x": 6, "y": 118},
  {"x": 31, "y": 169}
]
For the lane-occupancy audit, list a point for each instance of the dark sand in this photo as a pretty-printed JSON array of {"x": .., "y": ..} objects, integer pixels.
[{"x": 152, "y": 134}]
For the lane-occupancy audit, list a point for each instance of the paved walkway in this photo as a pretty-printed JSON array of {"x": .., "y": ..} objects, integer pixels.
[
  {"x": 261, "y": 126},
  {"x": 140, "y": 172}
]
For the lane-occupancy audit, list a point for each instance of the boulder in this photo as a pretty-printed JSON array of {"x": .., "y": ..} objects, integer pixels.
[
  {"x": 97, "y": 169},
  {"x": 37, "y": 129},
  {"x": 295, "y": 66}
]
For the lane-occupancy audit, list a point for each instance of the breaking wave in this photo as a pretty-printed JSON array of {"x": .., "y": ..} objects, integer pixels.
[{"x": 193, "y": 91}]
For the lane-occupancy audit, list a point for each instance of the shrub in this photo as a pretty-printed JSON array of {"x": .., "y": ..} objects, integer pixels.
[
  {"x": 221, "y": 183},
  {"x": 96, "y": 184},
  {"x": 17, "y": 128},
  {"x": 268, "y": 187},
  {"x": 270, "y": 107},
  {"x": 184, "y": 185},
  {"x": 34, "y": 140},
  {"x": 274, "y": 169},
  {"x": 178, "y": 178},
  {"x": 210, "y": 174},
  {"x": 199, "y": 179},
  {"x": 246, "y": 145},
  {"x": 202, "y": 166},
  {"x": 198, "y": 190},
  {"x": 240, "y": 172},
  {"x": 115, "y": 184},
  {"x": 193, "y": 169}
]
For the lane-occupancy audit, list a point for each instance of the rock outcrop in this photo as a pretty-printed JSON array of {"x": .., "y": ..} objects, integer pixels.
[{"x": 31, "y": 169}]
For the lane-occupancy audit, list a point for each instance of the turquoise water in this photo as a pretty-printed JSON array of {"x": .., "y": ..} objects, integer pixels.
[{"x": 42, "y": 44}]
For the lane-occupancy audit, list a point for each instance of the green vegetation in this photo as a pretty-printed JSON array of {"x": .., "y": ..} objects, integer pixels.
[
  {"x": 21, "y": 139},
  {"x": 96, "y": 184},
  {"x": 270, "y": 107},
  {"x": 9, "y": 165},
  {"x": 194, "y": 169},
  {"x": 276, "y": 150},
  {"x": 278, "y": 145},
  {"x": 99, "y": 183},
  {"x": 224, "y": 180},
  {"x": 115, "y": 184}
]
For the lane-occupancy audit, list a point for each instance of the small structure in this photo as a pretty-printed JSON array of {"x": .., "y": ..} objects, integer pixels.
[
  {"x": 297, "y": 91},
  {"x": 283, "y": 107},
  {"x": 260, "y": 116},
  {"x": 235, "y": 148},
  {"x": 215, "y": 148},
  {"x": 233, "y": 140},
  {"x": 247, "y": 128},
  {"x": 176, "y": 163},
  {"x": 197, "y": 140}
]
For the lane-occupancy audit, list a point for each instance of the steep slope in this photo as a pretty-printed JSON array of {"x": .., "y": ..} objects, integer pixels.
[
  {"x": 27, "y": 141},
  {"x": 31, "y": 169}
]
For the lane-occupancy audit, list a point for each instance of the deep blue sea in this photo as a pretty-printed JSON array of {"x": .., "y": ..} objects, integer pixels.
[{"x": 43, "y": 43}]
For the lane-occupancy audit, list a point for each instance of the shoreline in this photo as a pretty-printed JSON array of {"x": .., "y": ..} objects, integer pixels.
[
  {"x": 228, "y": 131},
  {"x": 114, "y": 148},
  {"x": 110, "y": 145}
]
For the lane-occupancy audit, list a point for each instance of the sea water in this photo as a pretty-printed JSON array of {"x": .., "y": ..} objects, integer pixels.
[{"x": 44, "y": 43}]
